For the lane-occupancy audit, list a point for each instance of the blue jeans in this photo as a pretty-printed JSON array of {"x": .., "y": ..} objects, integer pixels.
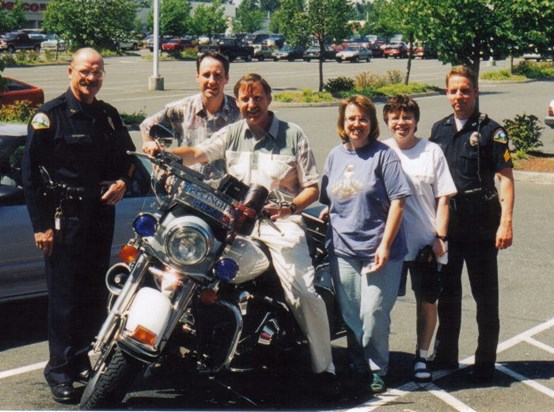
[{"x": 366, "y": 302}]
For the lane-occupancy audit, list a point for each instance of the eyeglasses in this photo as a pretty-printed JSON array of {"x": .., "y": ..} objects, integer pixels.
[
  {"x": 362, "y": 120},
  {"x": 97, "y": 74}
]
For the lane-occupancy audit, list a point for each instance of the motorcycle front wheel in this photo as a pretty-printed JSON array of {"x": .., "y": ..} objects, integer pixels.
[{"x": 110, "y": 381}]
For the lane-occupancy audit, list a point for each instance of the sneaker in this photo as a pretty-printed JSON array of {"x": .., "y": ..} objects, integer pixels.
[
  {"x": 377, "y": 385},
  {"x": 422, "y": 374}
]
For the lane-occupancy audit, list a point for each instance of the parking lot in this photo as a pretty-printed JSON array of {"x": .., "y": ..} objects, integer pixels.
[{"x": 525, "y": 366}]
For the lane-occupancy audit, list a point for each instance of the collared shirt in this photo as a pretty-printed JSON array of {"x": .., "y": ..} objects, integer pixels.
[
  {"x": 282, "y": 159},
  {"x": 192, "y": 124}
]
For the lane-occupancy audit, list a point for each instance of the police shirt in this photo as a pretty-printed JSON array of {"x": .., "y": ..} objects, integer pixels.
[
  {"x": 78, "y": 144},
  {"x": 473, "y": 160}
]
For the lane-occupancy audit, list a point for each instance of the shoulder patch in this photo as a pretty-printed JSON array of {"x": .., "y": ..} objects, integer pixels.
[
  {"x": 40, "y": 121},
  {"x": 500, "y": 136}
]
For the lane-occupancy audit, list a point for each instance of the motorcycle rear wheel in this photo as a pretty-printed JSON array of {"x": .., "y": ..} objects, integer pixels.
[{"x": 110, "y": 380}]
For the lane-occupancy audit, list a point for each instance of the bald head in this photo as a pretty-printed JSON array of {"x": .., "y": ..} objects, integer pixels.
[{"x": 86, "y": 73}]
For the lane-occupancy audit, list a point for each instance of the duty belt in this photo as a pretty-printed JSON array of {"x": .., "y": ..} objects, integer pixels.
[{"x": 473, "y": 195}]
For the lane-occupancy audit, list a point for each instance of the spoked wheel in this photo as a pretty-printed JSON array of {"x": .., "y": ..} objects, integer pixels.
[{"x": 113, "y": 375}]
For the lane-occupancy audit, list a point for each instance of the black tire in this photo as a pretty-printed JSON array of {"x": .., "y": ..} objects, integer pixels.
[
  {"x": 261, "y": 58},
  {"x": 135, "y": 47},
  {"x": 368, "y": 59},
  {"x": 248, "y": 58},
  {"x": 355, "y": 59},
  {"x": 11, "y": 49},
  {"x": 339, "y": 60},
  {"x": 37, "y": 48},
  {"x": 110, "y": 381},
  {"x": 275, "y": 59}
]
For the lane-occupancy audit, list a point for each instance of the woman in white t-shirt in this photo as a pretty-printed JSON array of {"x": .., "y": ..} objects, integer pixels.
[{"x": 425, "y": 220}]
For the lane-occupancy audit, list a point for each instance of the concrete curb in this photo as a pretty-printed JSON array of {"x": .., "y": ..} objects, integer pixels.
[{"x": 534, "y": 177}]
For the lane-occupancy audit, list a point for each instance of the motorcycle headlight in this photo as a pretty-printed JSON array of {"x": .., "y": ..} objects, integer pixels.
[{"x": 188, "y": 244}]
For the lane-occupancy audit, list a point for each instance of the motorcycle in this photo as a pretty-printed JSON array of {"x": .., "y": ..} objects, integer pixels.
[{"x": 192, "y": 278}]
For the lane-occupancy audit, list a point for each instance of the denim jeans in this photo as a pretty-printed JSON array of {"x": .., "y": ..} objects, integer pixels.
[{"x": 366, "y": 302}]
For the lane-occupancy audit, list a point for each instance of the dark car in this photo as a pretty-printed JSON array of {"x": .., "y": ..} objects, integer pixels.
[
  {"x": 289, "y": 53},
  {"x": 15, "y": 90},
  {"x": 397, "y": 49},
  {"x": 176, "y": 45},
  {"x": 313, "y": 52},
  {"x": 21, "y": 264}
]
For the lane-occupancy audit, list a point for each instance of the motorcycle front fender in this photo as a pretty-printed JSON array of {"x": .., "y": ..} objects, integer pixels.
[{"x": 147, "y": 319}]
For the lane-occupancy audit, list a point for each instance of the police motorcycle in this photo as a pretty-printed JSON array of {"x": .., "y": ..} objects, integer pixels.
[{"x": 191, "y": 278}]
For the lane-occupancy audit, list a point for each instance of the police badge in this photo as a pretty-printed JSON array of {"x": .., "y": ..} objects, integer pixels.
[{"x": 474, "y": 138}]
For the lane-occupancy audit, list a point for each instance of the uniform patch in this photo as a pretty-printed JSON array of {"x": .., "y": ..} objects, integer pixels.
[
  {"x": 500, "y": 136},
  {"x": 507, "y": 156},
  {"x": 40, "y": 121}
]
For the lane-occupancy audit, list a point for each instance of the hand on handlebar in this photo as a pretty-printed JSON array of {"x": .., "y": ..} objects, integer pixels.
[{"x": 151, "y": 147}]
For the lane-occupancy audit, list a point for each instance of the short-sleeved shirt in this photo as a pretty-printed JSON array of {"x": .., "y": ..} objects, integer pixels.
[
  {"x": 281, "y": 160},
  {"x": 358, "y": 186},
  {"x": 192, "y": 124},
  {"x": 429, "y": 178},
  {"x": 473, "y": 165}
]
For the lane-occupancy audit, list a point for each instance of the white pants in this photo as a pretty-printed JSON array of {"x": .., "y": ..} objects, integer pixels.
[{"x": 293, "y": 265}]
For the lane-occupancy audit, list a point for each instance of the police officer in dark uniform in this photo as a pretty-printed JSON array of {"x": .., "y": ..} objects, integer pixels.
[
  {"x": 75, "y": 170},
  {"x": 476, "y": 149}
]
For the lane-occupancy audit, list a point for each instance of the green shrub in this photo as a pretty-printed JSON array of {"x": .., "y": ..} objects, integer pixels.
[
  {"x": 368, "y": 80},
  {"x": 338, "y": 84},
  {"x": 135, "y": 118},
  {"x": 525, "y": 133},
  {"x": 305, "y": 96},
  {"x": 8, "y": 60},
  {"x": 534, "y": 70},
  {"x": 19, "y": 112},
  {"x": 503, "y": 74}
]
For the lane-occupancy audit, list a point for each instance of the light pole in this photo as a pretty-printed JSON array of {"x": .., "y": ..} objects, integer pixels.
[{"x": 156, "y": 82}]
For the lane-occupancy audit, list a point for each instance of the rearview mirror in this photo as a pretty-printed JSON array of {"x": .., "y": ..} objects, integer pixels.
[{"x": 162, "y": 134}]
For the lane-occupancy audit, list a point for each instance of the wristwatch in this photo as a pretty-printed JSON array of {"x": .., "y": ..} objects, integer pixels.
[{"x": 293, "y": 208}]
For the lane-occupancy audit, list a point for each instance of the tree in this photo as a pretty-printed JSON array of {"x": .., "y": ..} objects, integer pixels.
[
  {"x": 12, "y": 19},
  {"x": 174, "y": 16},
  {"x": 208, "y": 19},
  {"x": 92, "y": 23},
  {"x": 323, "y": 20},
  {"x": 249, "y": 17}
]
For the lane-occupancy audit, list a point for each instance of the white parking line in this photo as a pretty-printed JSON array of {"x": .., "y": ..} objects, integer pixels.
[
  {"x": 526, "y": 336},
  {"x": 540, "y": 345},
  {"x": 524, "y": 379},
  {"x": 23, "y": 369}
]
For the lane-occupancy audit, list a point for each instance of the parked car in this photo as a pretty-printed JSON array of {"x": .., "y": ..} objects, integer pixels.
[
  {"x": 53, "y": 42},
  {"x": 262, "y": 52},
  {"x": 549, "y": 118},
  {"x": 313, "y": 52},
  {"x": 149, "y": 41},
  {"x": 176, "y": 45},
  {"x": 13, "y": 41},
  {"x": 424, "y": 51},
  {"x": 354, "y": 54},
  {"x": 16, "y": 90},
  {"x": 127, "y": 45},
  {"x": 289, "y": 53},
  {"x": 397, "y": 50},
  {"x": 21, "y": 264},
  {"x": 230, "y": 48},
  {"x": 355, "y": 40},
  {"x": 275, "y": 41}
]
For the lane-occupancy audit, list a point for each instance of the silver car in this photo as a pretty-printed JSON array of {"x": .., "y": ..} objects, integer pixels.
[
  {"x": 354, "y": 54},
  {"x": 21, "y": 264}
]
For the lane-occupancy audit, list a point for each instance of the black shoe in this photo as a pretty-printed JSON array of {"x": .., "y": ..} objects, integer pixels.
[
  {"x": 327, "y": 386},
  {"x": 64, "y": 393},
  {"x": 441, "y": 364},
  {"x": 481, "y": 373}
]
